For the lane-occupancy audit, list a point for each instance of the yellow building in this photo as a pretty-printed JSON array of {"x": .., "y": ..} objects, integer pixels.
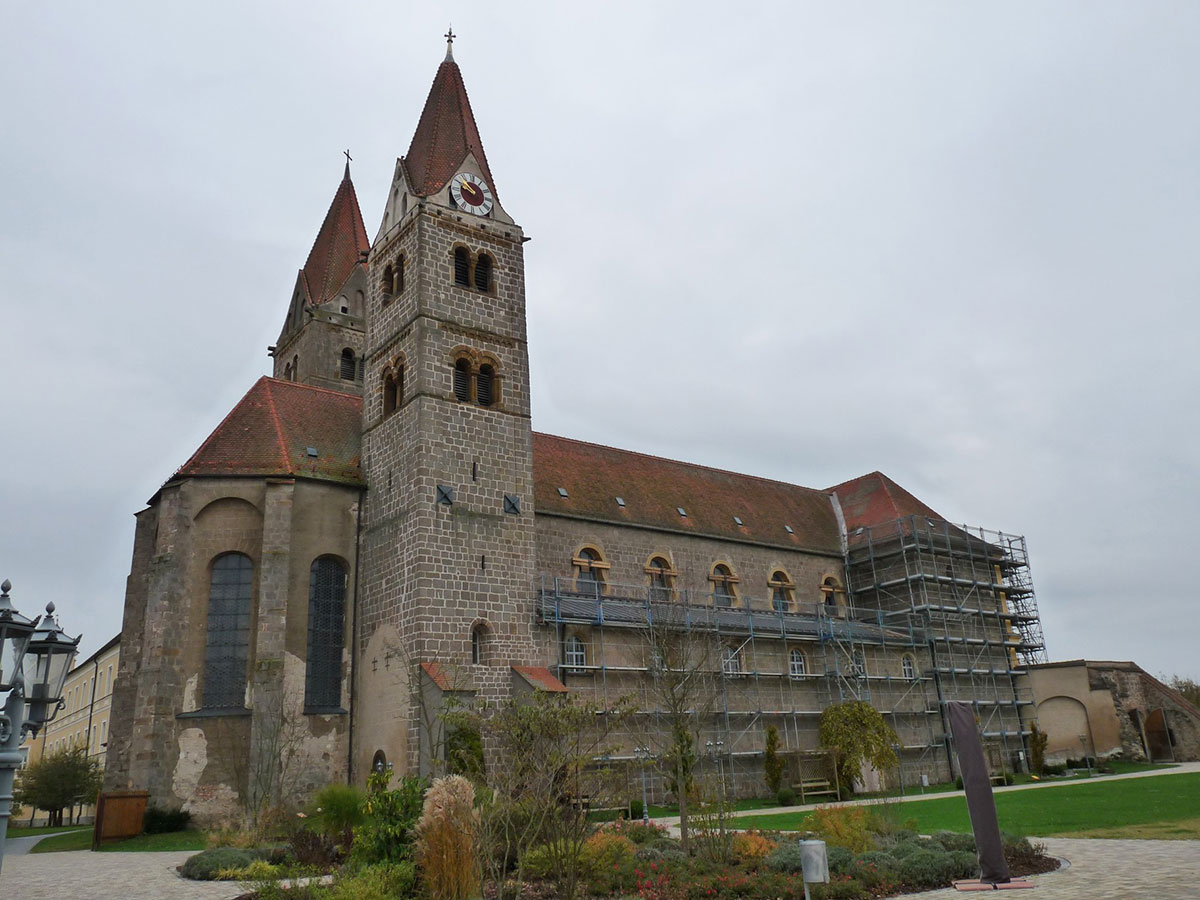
[{"x": 84, "y": 720}]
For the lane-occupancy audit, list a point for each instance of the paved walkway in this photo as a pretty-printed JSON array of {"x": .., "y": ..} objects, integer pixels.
[
  {"x": 83, "y": 875},
  {"x": 19, "y": 846}
]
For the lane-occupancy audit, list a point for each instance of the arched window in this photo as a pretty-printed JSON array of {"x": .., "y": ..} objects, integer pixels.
[
  {"x": 287, "y": 372},
  {"x": 227, "y": 645},
  {"x": 829, "y": 590},
  {"x": 485, "y": 383},
  {"x": 398, "y": 277},
  {"x": 797, "y": 665},
  {"x": 478, "y": 633},
  {"x": 393, "y": 390},
  {"x": 462, "y": 267},
  {"x": 387, "y": 282},
  {"x": 908, "y": 666},
  {"x": 723, "y": 581},
  {"x": 462, "y": 380},
  {"x": 575, "y": 655},
  {"x": 295, "y": 368},
  {"x": 347, "y": 367},
  {"x": 326, "y": 613},
  {"x": 483, "y": 272},
  {"x": 589, "y": 566},
  {"x": 781, "y": 591},
  {"x": 661, "y": 578},
  {"x": 731, "y": 660}
]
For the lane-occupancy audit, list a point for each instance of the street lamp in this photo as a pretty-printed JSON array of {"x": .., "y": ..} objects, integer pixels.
[
  {"x": 643, "y": 754},
  {"x": 35, "y": 657}
]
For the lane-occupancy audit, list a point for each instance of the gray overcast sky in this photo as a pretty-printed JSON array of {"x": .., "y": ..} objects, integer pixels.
[{"x": 952, "y": 242}]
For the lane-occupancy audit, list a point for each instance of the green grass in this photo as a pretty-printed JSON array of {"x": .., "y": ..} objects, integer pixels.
[
  {"x": 15, "y": 832},
  {"x": 1053, "y": 811},
  {"x": 148, "y": 843}
]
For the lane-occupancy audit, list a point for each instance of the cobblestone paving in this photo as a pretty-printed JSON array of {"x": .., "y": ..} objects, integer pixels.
[
  {"x": 83, "y": 875},
  {"x": 1108, "y": 870}
]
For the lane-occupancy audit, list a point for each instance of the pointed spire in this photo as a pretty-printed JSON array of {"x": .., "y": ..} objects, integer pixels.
[
  {"x": 445, "y": 134},
  {"x": 450, "y": 36},
  {"x": 339, "y": 244},
  {"x": 346, "y": 176}
]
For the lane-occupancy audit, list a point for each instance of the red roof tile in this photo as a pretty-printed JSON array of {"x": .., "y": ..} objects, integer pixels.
[
  {"x": 873, "y": 500},
  {"x": 652, "y": 488},
  {"x": 445, "y": 135},
  {"x": 338, "y": 247},
  {"x": 541, "y": 679},
  {"x": 272, "y": 427}
]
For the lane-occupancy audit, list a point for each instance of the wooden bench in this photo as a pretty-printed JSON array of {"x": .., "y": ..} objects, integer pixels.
[
  {"x": 998, "y": 778},
  {"x": 815, "y": 787},
  {"x": 585, "y": 804}
]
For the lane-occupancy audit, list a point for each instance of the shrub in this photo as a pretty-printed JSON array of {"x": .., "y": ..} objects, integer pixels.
[
  {"x": 162, "y": 821},
  {"x": 637, "y": 832},
  {"x": 958, "y": 782},
  {"x": 604, "y": 850},
  {"x": 1038, "y": 740},
  {"x": 873, "y": 867},
  {"x": 258, "y": 870},
  {"x": 839, "y": 859},
  {"x": 773, "y": 763},
  {"x": 337, "y": 809},
  {"x": 952, "y": 840},
  {"x": 636, "y": 810},
  {"x": 311, "y": 848},
  {"x": 751, "y": 847},
  {"x": 446, "y": 840},
  {"x": 1054, "y": 769},
  {"x": 842, "y": 889},
  {"x": 903, "y": 849},
  {"x": 843, "y": 826},
  {"x": 383, "y": 881},
  {"x": 389, "y": 817},
  {"x": 786, "y": 797},
  {"x": 1018, "y": 851},
  {"x": 928, "y": 868},
  {"x": 206, "y": 864},
  {"x": 787, "y": 858}
]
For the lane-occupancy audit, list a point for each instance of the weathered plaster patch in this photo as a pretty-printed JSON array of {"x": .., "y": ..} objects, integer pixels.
[
  {"x": 193, "y": 757},
  {"x": 189, "y": 693}
]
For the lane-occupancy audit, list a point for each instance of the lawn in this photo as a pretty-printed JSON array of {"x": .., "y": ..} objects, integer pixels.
[
  {"x": 82, "y": 840},
  {"x": 1142, "y": 807},
  {"x": 15, "y": 831}
]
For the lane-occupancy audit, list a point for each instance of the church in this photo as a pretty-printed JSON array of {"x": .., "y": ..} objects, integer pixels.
[{"x": 376, "y": 530}]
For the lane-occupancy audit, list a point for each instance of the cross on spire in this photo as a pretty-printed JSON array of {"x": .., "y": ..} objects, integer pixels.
[
  {"x": 450, "y": 36},
  {"x": 346, "y": 153}
]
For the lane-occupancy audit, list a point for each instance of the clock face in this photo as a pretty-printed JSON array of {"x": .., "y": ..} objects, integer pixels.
[{"x": 471, "y": 193}]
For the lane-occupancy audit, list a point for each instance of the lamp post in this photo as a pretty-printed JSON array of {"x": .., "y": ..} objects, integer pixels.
[
  {"x": 643, "y": 754},
  {"x": 1083, "y": 742},
  {"x": 35, "y": 657}
]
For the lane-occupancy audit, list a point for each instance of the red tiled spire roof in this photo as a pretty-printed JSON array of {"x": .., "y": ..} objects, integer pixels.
[
  {"x": 873, "y": 500},
  {"x": 445, "y": 135},
  {"x": 653, "y": 488},
  {"x": 271, "y": 428},
  {"x": 338, "y": 247}
]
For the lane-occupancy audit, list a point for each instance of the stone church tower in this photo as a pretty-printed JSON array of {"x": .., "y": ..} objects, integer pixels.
[{"x": 447, "y": 536}]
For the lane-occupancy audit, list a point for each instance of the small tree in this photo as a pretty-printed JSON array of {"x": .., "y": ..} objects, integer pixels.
[
  {"x": 446, "y": 840},
  {"x": 1188, "y": 687},
  {"x": 58, "y": 781},
  {"x": 857, "y": 735},
  {"x": 1037, "y": 749},
  {"x": 772, "y": 762}
]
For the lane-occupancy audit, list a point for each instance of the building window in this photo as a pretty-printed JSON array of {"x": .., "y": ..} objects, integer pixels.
[
  {"x": 731, "y": 660},
  {"x": 462, "y": 380},
  {"x": 347, "y": 367},
  {"x": 723, "y": 580},
  {"x": 385, "y": 284},
  {"x": 797, "y": 664},
  {"x": 858, "y": 664},
  {"x": 661, "y": 579},
  {"x": 483, "y": 273},
  {"x": 326, "y": 612},
  {"x": 477, "y": 636},
  {"x": 576, "y": 654},
  {"x": 393, "y": 390},
  {"x": 829, "y": 592},
  {"x": 485, "y": 385},
  {"x": 781, "y": 591},
  {"x": 398, "y": 277},
  {"x": 227, "y": 648},
  {"x": 295, "y": 368},
  {"x": 908, "y": 666},
  {"x": 589, "y": 572},
  {"x": 462, "y": 267}
]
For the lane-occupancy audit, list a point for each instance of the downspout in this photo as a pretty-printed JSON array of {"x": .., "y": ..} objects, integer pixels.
[{"x": 354, "y": 643}]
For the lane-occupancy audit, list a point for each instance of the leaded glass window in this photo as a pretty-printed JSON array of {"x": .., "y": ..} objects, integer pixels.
[
  {"x": 326, "y": 610},
  {"x": 227, "y": 651}
]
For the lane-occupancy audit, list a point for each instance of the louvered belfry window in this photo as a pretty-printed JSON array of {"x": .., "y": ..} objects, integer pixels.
[
  {"x": 462, "y": 380},
  {"x": 326, "y": 610},
  {"x": 348, "y": 367},
  {"x": 483, "y": 273},
  {"x": 227, "y": 648},
  {"x": 485, "y": 383},
  {"x": 462, "y": 267}
]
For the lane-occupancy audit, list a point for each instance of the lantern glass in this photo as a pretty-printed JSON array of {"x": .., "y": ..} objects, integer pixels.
[
  {"x": 15, "y": 631},
  {"x": 47, "y": 662}
]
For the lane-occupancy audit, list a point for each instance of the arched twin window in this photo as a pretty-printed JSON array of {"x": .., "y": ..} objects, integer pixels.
[
  {"x": 476, "y": 273},
  {"x": 781, "y": 591},
  {"x": 797, "y": 664},
  {"x": 589, "y": 572},
  {"x": 662, "y": 579},
  {"x": 326, "y": 635},
  {"x": 393, "y": 388},
  {"x": 227, "y": 643},
  {"x": 480, "y": 384},
  {"x": 392, "y": 283},
  {"x": 723, "y": 580}
]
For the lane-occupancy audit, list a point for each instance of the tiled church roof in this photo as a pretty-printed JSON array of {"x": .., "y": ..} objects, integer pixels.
[
  {"x": 445, "y": 135},
  {"x": 338, "y": 247},
  {"x": 653, "y": 488},
  {"x": 873, "y": 500},
  {"x": 271, "y": 429}
]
